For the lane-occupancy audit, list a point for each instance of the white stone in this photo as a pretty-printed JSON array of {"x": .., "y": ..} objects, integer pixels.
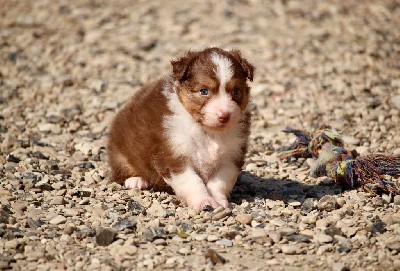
[{"x": 59, "y": 219}]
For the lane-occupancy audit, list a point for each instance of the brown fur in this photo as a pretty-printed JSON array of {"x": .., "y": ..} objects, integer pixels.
[{"x": 136, "y": 146}]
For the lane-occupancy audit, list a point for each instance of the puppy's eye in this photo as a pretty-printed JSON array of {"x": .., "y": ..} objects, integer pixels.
[
  {"x": 235, "y": 92},
  {"x": 204, "y": 91}
]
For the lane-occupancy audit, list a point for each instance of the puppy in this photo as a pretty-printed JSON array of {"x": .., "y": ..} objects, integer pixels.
[{"x": 187, "y": 131}]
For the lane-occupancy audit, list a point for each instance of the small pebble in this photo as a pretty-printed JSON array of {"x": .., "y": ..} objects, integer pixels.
[
  {"x": 58, "y": 200},
  {"x": 224, "y": 242},
  {"x": 244, "y": 219},
  {"x": 323, "y": 238},
  {"x": 221, "y": 214},
  {"x": 289, "y": 249},
  {"x": 307, "y": 205},
  {"x": 339, "y": 267},
  {"x": 275, "y": 236},
  {"x": 327, "y": 203},
  {"x": 396, "y": 200},
  {"x": 105, "y": 237},
  {"x": 59, "y": 219}
]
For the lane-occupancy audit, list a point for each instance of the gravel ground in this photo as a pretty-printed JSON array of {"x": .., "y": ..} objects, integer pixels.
[{"x": 67, "y": 66}]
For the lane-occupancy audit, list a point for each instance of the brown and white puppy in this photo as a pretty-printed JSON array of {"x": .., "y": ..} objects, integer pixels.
[{"x": 187, "y": 131}]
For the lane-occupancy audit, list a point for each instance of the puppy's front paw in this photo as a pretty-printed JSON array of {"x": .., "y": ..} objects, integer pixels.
[
  {"x": 223, "y": 202},
  {"x": 136, "y": 183}
]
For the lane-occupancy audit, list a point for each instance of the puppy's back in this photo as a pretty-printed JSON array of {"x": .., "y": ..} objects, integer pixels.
[{"x": 136, "y": 134}]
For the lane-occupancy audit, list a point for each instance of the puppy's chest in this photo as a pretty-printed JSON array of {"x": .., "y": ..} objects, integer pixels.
[{"x": 206, "y": 153}]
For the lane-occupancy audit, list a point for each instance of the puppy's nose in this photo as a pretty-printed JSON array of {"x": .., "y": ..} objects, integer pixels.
[{"x": 224, "y": 117}]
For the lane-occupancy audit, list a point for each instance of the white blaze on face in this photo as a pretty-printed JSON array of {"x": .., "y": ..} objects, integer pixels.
[
  {"x": 224, "y": 69},
  {"x": 221, "y": 104}
]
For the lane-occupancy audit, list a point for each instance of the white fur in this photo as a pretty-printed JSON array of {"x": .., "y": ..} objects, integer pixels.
[
  {"x": 136, "y": 183},
  {"x": 224, "y": 69},
  {"x": 221, "y": 183},
  {"x": 222, "y": 103},
  {"x": 190, "y": 187},
  {"x": 218, "y": 106}
]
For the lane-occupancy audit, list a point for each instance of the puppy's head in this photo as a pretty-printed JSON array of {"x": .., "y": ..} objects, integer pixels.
[{"x": 212, "y": 86}]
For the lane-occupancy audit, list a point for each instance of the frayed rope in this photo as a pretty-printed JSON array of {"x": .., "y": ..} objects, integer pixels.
[{"x": 370, "y": 172}]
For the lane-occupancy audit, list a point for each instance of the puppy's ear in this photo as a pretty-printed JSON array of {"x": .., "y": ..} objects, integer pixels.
[
  {"x": 182, "y": 65},
  {"x": 247, "y": 67}
]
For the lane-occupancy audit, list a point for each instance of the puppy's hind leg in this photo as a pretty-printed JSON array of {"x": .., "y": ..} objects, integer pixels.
[
  {"x": 122, "y": 172},
  {"x": 136, "y": 183}
]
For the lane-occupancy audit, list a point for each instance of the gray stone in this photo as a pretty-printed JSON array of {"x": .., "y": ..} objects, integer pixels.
[
  {"x": 224, "y": 242},
  {"x": 105, "y": 237},
  {"x": 185, "y": 250},
  {"x": 58, "y": 200},
  {"x": 11, "y": 244},
  {"x": 10, "y": 166},
  {"x": 200, "y": 237},
  {"x": 34, "y": 255},
  {"x": 310, "y": 219},
  {"x": 289, "y": 249},
  {"x": 307, "y": 205},
  {"x": 275, "y": 236},
  {"x": 222, "y": 214},
  {"x": 135, "y": 207},
  {"x": 257, "y": 232},
  {"x": 323, "y": 238},
  {"x": 159, "y": 242},
  {"x": 339, "y": 267},
  {"x": 393, "y": 245},
  {"x": 5, "y": 264},
  {"x": 244, "y": 219},
  {"x": 45, "y": 127},
  {"x": 396, "y": 101},
  {"x": 387, "y": 198},
  {"x": 69, "y": 230},
  {"x": 396, "y": 200},
  {"x": 156, "y": 232},
  {"x": 125, "y": 224},
  {"x": 285, "y": 231},
  {"x": 327, "y": 203},
  {"x": 212, "y": 238},
  {"x": 59, "y": 219},
  {"x": 84, "y": 147}
]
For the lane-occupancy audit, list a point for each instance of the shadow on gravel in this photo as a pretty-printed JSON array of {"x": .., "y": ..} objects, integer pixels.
[{"x": 250, "y": 187}]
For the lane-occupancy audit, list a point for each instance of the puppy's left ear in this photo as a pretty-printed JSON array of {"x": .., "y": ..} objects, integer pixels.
[
  {"x": 247, "y": 67},
  {"x": 182, "y": 65}
]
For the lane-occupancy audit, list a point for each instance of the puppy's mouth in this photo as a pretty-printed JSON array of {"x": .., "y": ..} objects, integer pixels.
[{"x": 219, "y": 125}]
